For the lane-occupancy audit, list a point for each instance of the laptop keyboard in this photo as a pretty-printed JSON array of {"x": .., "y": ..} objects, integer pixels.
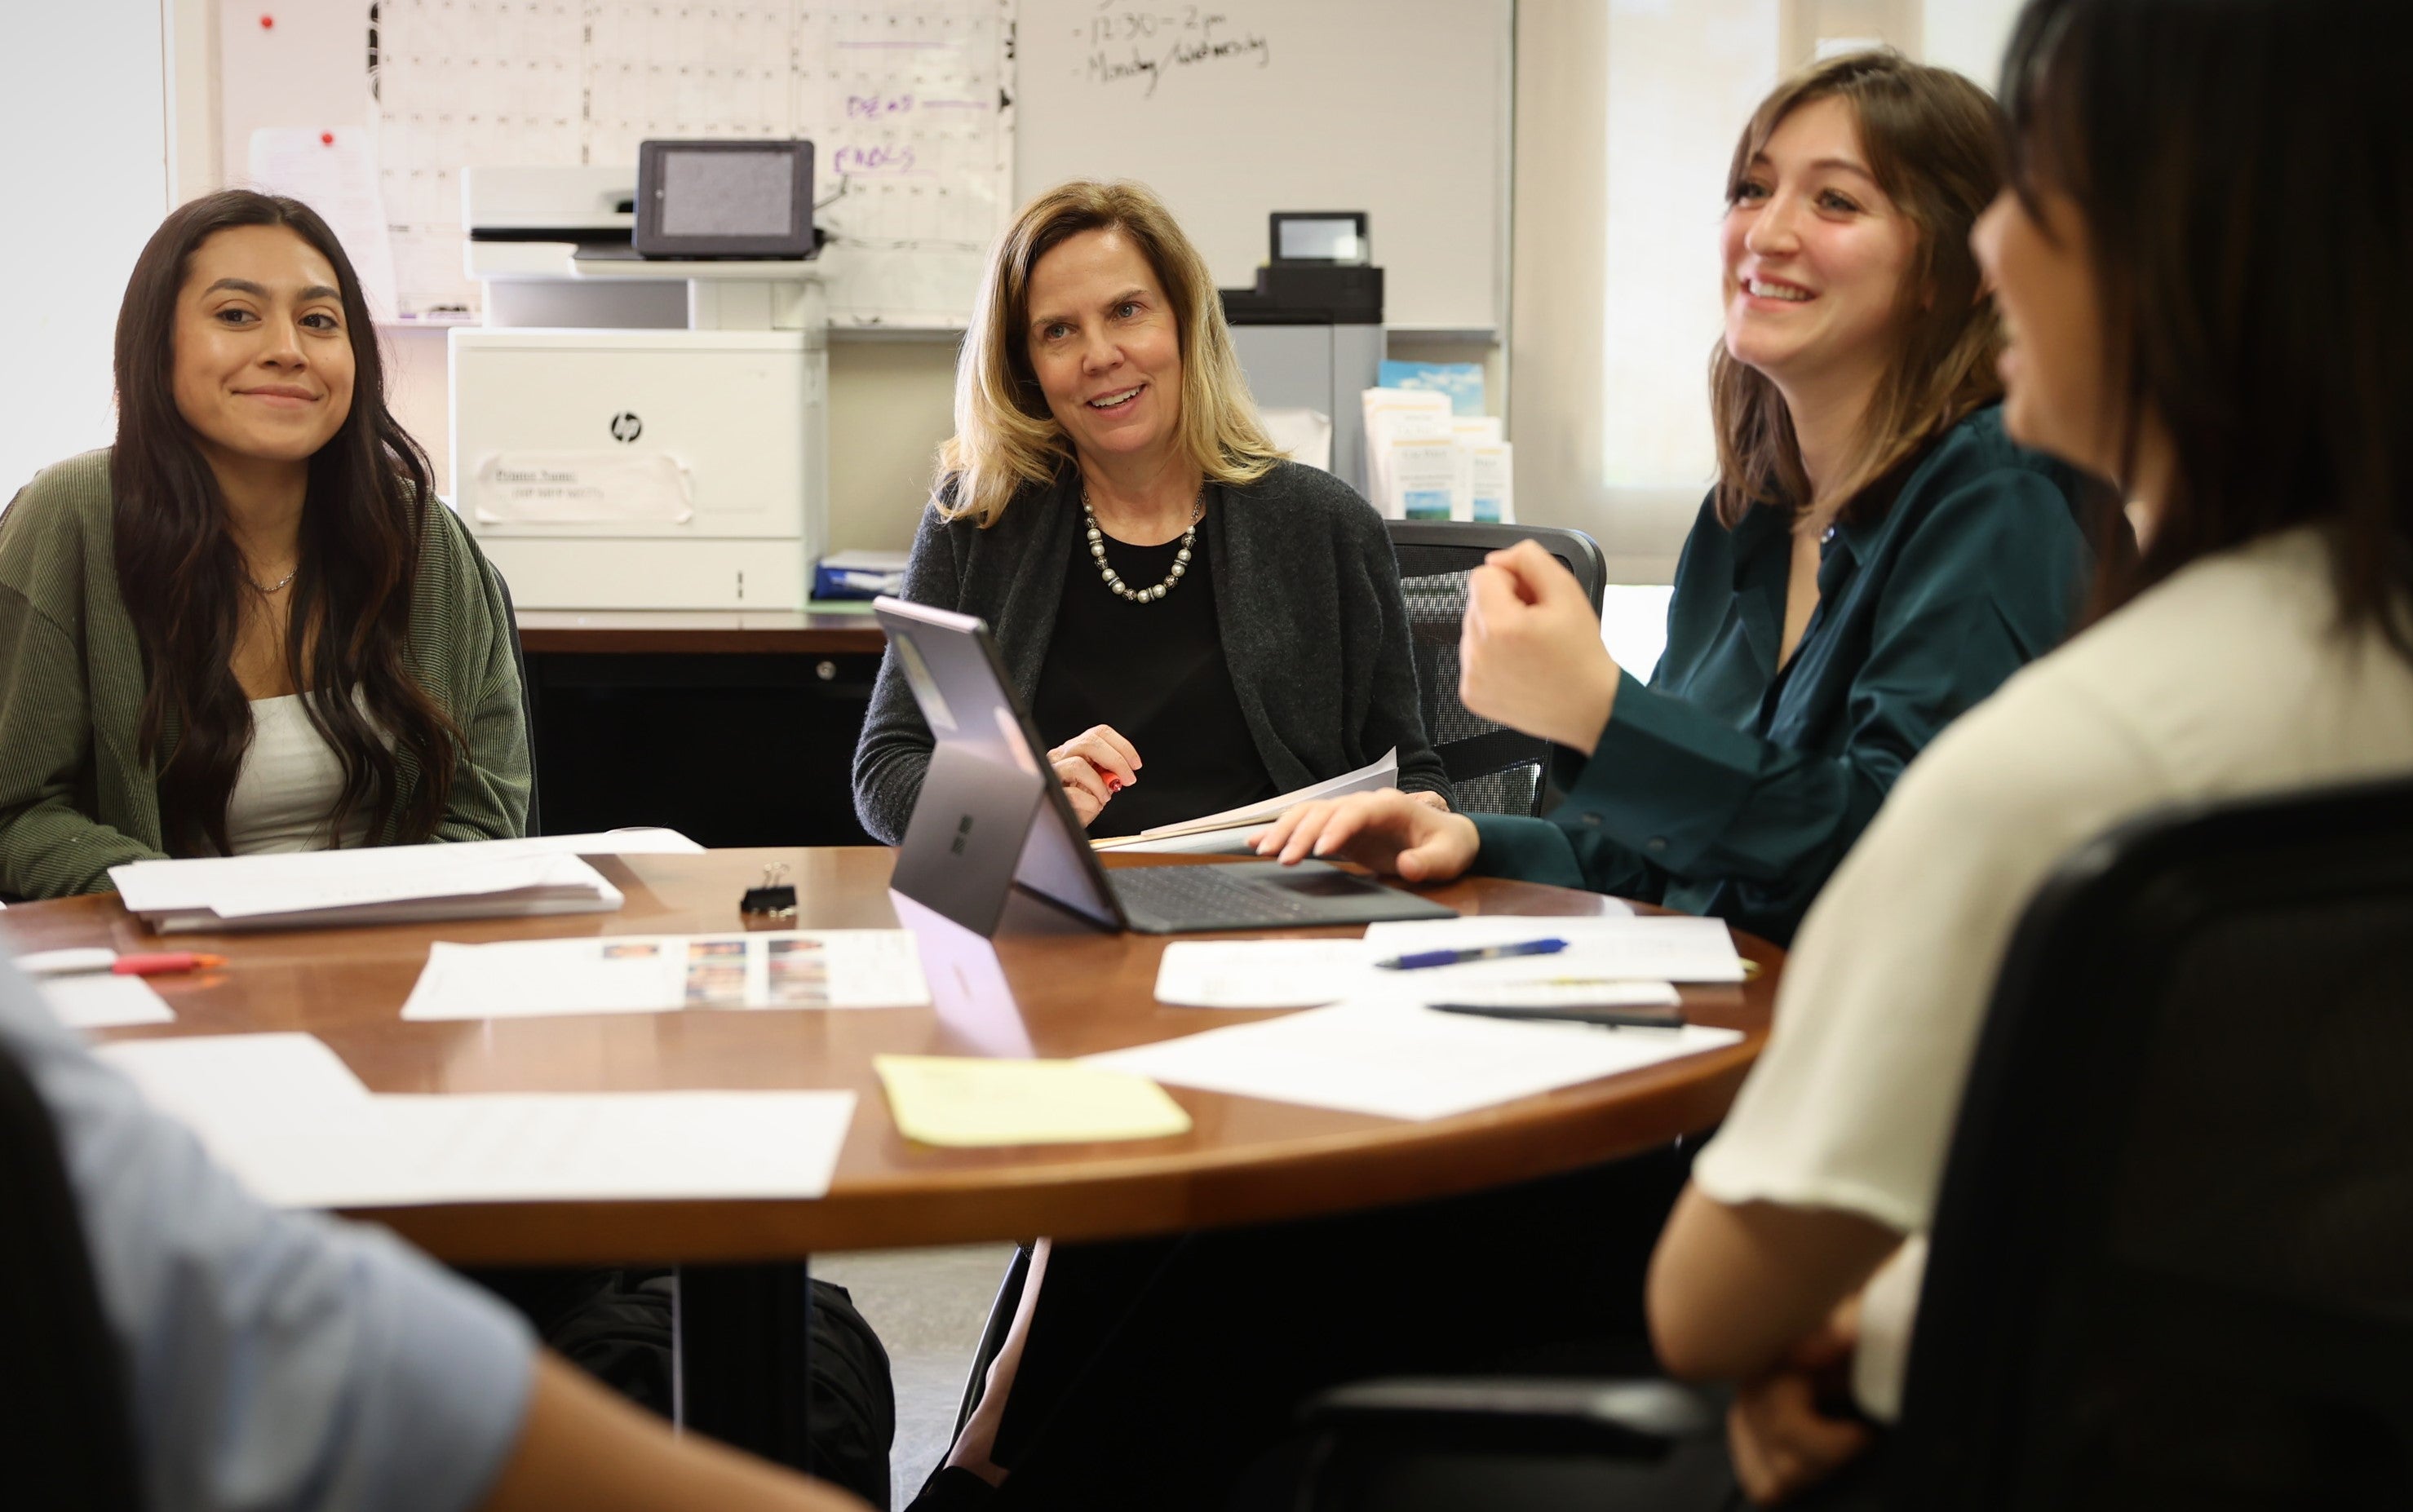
[{"x": 1198, "y": 898}]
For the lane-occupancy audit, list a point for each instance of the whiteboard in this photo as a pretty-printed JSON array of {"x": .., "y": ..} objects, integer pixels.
[
  {"x": 908, "y": 103},
  {"x": 1236, "y": 109}
]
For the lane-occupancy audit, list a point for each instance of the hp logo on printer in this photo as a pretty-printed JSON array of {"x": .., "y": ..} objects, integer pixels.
[{"x": 626, "y": 427}]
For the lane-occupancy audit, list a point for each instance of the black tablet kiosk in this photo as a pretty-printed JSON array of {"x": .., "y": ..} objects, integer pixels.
[{"x": 725, "y": 199}]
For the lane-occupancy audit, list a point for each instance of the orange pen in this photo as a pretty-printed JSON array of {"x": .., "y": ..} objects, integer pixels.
[{"x": 165, "y": 964}]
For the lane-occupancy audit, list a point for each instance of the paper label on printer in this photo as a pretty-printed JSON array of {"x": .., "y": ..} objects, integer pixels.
[{"x": 582, "y": 488}]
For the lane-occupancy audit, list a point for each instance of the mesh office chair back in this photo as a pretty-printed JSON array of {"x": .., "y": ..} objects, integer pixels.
[
  {"x": 1495, "y": 769},
  {"x": 66, "y": 1438},
  {"x": 2173, "y": 1255}
]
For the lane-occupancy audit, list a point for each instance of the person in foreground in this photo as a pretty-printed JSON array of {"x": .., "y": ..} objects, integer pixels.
[
  {"x": 249, "y": 625},
  {"x": 1193, "y": 622},
  {"x": 277, "y": 1359},
  {"x": 1875, "y": 558},
  {"x": 2210, "y": 204}
]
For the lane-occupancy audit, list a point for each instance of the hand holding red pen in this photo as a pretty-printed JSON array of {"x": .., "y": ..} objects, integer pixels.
[{"x": 1094, "y": 766}]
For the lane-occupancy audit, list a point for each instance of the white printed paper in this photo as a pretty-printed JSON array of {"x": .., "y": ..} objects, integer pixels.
[
  {"x": 664, "y": 974},
  {"x": 1492, "y": 483},
  {"x": 1396, "y": 414},
  {"x": 1404, "y": 1062},
  {"x": 333, "y": 172},
  {"x": 285, "y": 1115},
  {"x": 103, "y": 1000},
  {"x": 1380, "y": 773},
  {"x": 1421, "y": 478},
  {"x": 1261, "y": 973},
  {"x": 479, "y": 879},
  {"x": 1663, "y": 947}
]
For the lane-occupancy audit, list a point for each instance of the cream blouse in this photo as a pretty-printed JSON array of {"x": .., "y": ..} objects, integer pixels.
[{"x": 2227, "y": 680}]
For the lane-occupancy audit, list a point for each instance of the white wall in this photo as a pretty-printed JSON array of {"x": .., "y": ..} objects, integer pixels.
[{"x": 84, "y": 110}]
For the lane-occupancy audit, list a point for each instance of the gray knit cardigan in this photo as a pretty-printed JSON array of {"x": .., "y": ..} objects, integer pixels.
[{"x": 1307, "y": 596}]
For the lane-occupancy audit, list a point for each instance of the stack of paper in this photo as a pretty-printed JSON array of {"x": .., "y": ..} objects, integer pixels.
[
  {"x": 1411, "y": 455},
  {"x": 1425, "y": 461},
  {"x": 1226, "y": 833},
  {"x": 1407, "y": 1063},
  {"x": 290, "y": 1119},
  {"x": 385, "y": 885},
  {"x": 665, "y": 972}
]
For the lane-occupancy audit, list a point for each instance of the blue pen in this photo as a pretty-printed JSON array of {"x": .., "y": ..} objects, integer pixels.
[{"x": 1452, "y": 957}]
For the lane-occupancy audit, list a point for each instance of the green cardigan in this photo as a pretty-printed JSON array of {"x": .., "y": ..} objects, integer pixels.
[{"x": 76, "y": 798}]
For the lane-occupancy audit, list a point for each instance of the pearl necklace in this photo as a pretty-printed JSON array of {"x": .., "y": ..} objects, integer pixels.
[{"x": 1114, "y": 580}]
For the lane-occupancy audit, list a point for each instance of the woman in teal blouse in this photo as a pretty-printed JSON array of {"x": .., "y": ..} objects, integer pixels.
[{"x": 1875, "y": 558}]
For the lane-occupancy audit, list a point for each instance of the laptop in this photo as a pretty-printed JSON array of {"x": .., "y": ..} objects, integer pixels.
[{"x": 992, "y": 817}]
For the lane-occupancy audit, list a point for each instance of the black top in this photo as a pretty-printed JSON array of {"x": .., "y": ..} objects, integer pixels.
[
  {"x": 1156, "y": 672},
  {"x": 1306, "y": 602}
]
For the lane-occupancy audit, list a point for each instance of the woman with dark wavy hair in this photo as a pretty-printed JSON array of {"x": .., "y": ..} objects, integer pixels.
[{"x": 249, "y": 625}]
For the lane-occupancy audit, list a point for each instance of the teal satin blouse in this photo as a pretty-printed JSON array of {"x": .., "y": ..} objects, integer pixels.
[{"x": 1729, "y": 787}]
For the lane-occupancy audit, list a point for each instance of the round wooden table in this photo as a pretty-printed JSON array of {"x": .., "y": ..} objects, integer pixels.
[{"x": 1050, "y": 987}]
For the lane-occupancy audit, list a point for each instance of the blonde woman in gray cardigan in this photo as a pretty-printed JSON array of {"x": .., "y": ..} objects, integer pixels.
[
  {"x": 249, "y": 626},
  {"x": 1193, "y": 622}
]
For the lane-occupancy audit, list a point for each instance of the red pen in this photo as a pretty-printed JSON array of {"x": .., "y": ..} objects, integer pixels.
[
  {"x": 165, "y": 964},
  {"x": 1114, "y": 783}
]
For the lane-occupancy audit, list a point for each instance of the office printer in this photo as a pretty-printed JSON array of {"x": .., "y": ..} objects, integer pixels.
[
  {"x": 635, "y": 432},
  {"x": 1309, "y": 334}
]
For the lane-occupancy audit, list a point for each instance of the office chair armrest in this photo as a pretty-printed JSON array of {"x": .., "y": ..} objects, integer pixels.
[{"x": 1638, "y": 1418}]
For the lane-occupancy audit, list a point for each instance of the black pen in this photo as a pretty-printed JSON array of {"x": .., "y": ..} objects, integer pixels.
[{"x": 1604, "y": 1015}]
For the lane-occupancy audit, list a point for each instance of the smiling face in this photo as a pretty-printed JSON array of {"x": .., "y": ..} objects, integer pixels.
[
  {"x": 263, "y": 359},
  {"x": 1815, "y": 256},
  {"x": 1106, "y": 347}
]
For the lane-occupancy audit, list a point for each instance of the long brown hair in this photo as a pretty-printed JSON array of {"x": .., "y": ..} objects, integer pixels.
[
  {"x": 1934, "y": 142},
  {"x": 1005, "y": 437},
  {"x": 182, "y": 575},
  {"x": 2245, "y": 178}
]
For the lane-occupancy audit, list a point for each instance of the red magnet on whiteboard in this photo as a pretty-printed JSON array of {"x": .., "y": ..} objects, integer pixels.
[
  {"x": 267, "y": 24},
  {"x": 327, "y": 138}
]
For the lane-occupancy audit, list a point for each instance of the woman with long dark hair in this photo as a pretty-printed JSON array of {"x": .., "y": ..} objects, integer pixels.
[
  {"x": 2210, "y": 205},
  {"x": 249, "y": 626}
]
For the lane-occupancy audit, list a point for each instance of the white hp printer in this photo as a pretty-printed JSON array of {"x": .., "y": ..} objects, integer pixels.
[{"x": 642, "y": 421}]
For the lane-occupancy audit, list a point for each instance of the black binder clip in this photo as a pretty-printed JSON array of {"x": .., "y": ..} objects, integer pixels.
[{"x": 774, "y": 899}]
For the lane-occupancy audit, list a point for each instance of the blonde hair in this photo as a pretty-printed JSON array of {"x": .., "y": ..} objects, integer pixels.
[
  {"x": 1005, "y": 437},
  {"x": 1934, "y": 142}
]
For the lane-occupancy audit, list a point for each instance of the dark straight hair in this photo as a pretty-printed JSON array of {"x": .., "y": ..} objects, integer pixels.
[
  {"x": 2245, "y": 171},
  {"x": 182, "y": 578}
]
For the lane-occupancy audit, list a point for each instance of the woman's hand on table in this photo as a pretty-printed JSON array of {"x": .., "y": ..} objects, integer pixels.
[
  {"x": 1528, "y": 651},
  {"x": 1093, "y": 766},
  {"x": 1386, "y": 831}
]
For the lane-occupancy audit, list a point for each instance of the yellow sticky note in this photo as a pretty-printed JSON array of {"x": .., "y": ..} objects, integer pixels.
[{"x": 950, "y": 1100}]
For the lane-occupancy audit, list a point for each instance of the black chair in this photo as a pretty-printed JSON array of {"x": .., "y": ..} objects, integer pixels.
[
  {"x": 2173, "y": 1259},
  {"x": 1495, "y": 769},
  {"x": 66, "y": 1438},
  {"x": 527, "y": 697}
]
